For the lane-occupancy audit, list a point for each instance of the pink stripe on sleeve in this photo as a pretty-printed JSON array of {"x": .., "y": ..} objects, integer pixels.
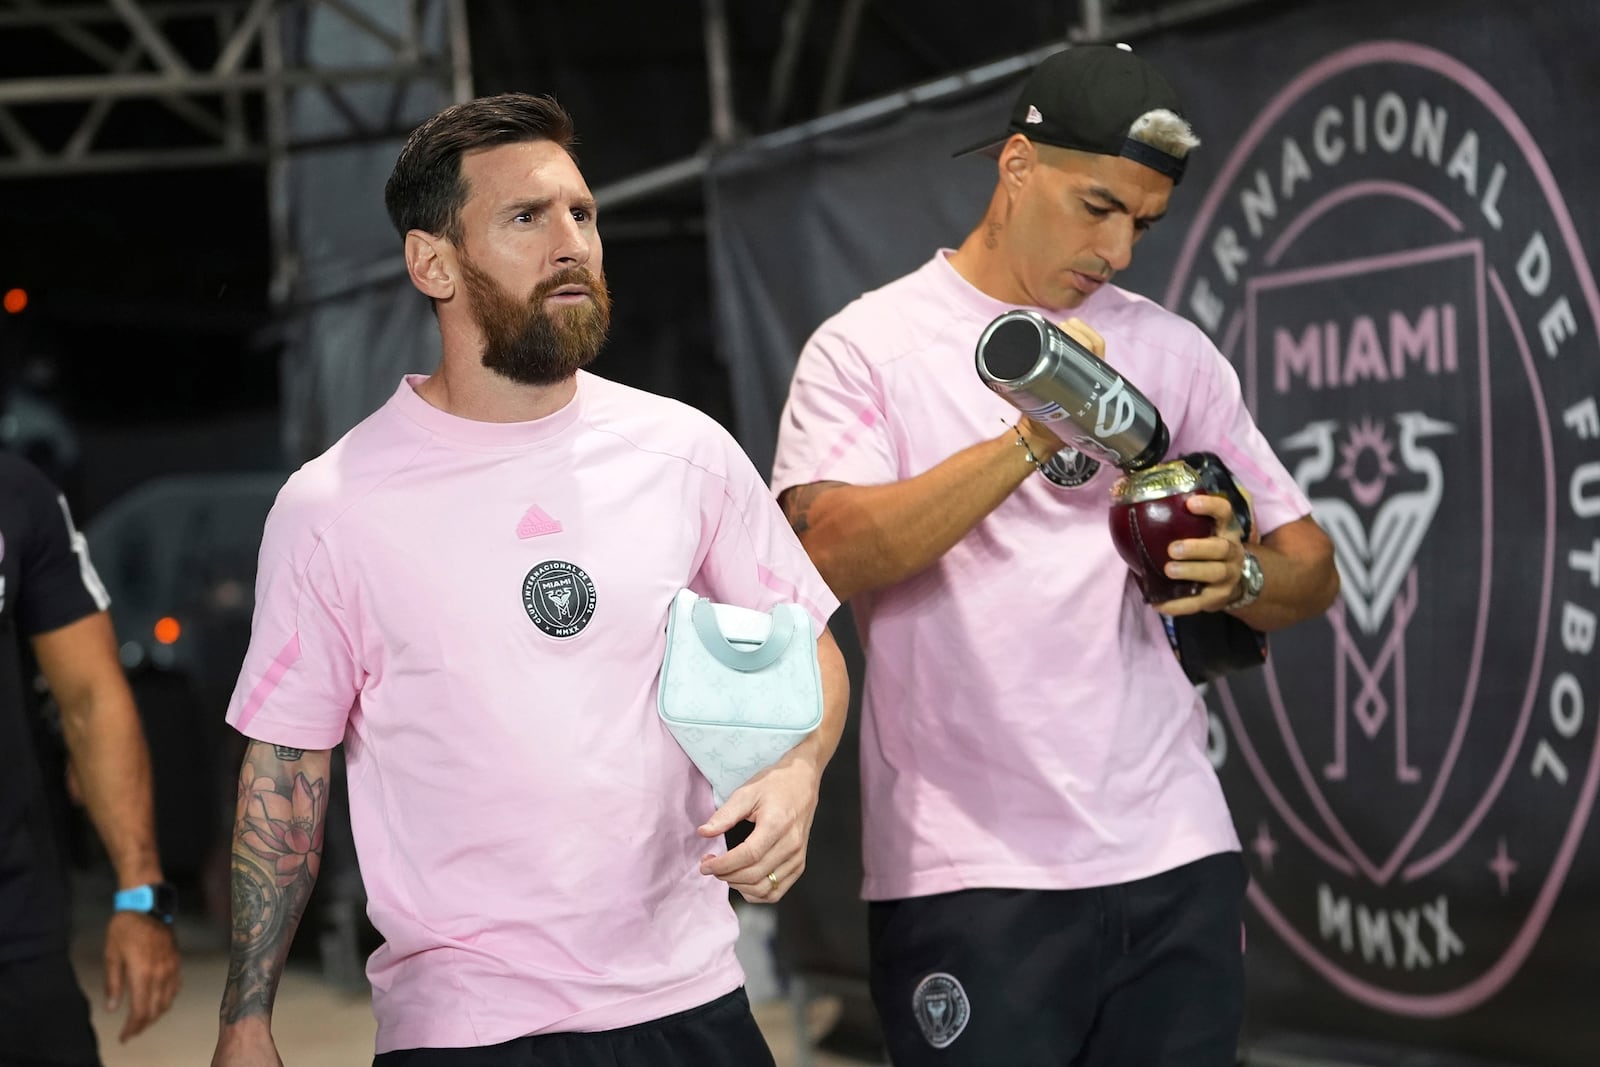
[
  {"x": 866, "y": 418},
  {"x": 791, "y": 592},
  {"x": 281, "y": 663}
]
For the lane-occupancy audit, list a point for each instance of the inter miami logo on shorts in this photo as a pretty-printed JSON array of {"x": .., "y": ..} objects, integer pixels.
[
  {"x": 1070, "y": 468},
  {"x": 559, "y": 598},
  {"x": 940, "y": 1005}
]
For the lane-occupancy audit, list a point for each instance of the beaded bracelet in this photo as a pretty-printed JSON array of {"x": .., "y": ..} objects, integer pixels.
[{"x": 1027, "y": 449}]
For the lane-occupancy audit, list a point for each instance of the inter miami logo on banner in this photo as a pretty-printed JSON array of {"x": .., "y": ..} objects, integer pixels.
[
  {"x": 1389, "y": 265},
  {"x": 559, "y": 598}
]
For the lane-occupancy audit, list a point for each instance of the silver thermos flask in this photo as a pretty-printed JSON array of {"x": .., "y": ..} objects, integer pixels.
[{"x": 1063, "y": 386}]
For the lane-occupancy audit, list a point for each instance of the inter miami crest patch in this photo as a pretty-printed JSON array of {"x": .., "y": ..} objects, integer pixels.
[
  {"x": 940, "y": 1006},
  {"x": 1069, "y": 468},
  {"x": 1413, "y": 322},
  {"x": 559, "y": 598}
]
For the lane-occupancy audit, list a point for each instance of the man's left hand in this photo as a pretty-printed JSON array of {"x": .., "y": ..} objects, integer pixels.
[
  {"x": 781, "y": 801},
  {"x": 1215, "y": 562},
  {"x": 141, "y": 961}
]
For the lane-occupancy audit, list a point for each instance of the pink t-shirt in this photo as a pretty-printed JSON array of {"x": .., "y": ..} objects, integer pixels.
[
  {"x": 477, "y": 611},
  {"x": 1026, "y": 724}
]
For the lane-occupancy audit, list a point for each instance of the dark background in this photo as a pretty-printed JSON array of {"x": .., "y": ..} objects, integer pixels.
[
  {"x": 150, "y": 332},
  {"x": 149, "y": 325}
]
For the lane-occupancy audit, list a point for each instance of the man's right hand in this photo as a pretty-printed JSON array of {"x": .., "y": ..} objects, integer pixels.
[
  {"x": 865, "y": 537},
  {"x": 141, "y": 959},
  {"x": 1042, "y": 444},
  {"x": 1085, "y": 335},
  {"x": 247, "y": 1043},
  {"x": 1041, "y": 441}
]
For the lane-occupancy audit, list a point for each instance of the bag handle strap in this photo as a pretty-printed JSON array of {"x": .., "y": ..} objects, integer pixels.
[{"x": 742, "y": 659}]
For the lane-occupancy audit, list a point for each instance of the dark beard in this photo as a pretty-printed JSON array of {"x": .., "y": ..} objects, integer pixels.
[{"x": 525, "y": 342}]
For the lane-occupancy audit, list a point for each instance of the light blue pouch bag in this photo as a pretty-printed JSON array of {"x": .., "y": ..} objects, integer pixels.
[{"x": 738, "y": 687}]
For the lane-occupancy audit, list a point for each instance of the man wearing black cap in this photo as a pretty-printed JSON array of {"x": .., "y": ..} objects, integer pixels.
[{"x": 1053, "y": 873}]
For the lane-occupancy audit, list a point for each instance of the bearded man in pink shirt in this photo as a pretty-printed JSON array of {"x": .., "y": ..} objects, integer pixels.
[
  {"x": 1053, "y": 873},
  {"x": 469, "y": 591}
]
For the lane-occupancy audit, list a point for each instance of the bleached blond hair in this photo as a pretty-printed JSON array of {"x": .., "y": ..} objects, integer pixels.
[{"x": 1165, "y": 131}]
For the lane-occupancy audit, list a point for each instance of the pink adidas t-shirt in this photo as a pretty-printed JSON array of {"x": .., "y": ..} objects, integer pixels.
[
  {"x": 1026, "y": 724},
  {"x": 477, "y": 611}
]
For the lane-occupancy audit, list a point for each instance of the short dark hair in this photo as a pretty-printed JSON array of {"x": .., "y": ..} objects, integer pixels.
[{"x": 426, "y": 191}]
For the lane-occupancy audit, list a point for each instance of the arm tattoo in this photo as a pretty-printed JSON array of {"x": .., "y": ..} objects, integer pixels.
[
  {"x": 277, "y": 850},
  {"x": 259, "y": 922},
  {"x": 797, "y": 503},
  {"x": 288, "y": 755}
]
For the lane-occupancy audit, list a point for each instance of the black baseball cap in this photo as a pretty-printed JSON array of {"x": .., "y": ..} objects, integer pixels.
[{"x": 1087, "y": 98}]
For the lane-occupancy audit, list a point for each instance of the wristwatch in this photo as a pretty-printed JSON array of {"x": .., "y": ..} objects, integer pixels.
[
  {"x": 1251, "y": 581},
  {"x": 157, "y": 900}
]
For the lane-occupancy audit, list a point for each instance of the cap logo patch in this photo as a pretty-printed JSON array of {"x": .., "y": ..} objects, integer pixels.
[{"x": 1033, "y": 115}]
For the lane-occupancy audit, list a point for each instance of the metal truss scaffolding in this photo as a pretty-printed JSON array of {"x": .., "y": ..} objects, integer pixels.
[
  {"x": 194, "y": 83},
  {"x": 1083, "y": 21},
  {"x": 216, "y": 67}
]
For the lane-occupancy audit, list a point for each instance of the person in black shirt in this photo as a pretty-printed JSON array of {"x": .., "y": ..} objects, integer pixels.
[{"x": 50, "y": 595}]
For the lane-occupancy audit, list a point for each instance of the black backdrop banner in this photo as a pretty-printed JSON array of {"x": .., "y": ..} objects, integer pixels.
[
  {"x": 1386, "y": 232},
  {"x": 1391, "y": 252}
]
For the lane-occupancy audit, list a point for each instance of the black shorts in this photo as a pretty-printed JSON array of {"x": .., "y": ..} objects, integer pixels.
[
  {"x": 722, "y": 1033},
  {"x": 1144, "y": 974},
  {"x": 44, "y": 1017}
]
